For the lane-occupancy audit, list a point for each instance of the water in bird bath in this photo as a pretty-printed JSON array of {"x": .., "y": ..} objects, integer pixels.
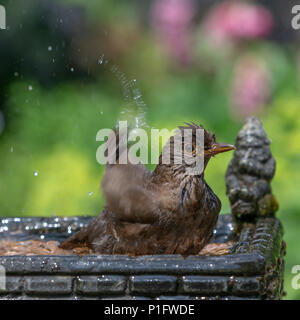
[{"x": 41, "y": 236}]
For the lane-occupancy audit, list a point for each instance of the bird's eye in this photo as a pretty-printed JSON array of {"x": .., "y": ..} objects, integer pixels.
[{"x": 190, "y": 148}]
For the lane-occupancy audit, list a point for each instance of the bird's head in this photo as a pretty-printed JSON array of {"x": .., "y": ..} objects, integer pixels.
[{"x": 196, "y": 145}]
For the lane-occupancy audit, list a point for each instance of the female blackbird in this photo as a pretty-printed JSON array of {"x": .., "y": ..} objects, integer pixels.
[{"x": 167, "y": 211}]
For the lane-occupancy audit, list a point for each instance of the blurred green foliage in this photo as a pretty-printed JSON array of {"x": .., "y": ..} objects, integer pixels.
[{"x": 48, "y": 148}]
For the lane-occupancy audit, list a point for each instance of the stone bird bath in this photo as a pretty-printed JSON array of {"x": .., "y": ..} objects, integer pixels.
[{"x": 253, "y": 269}]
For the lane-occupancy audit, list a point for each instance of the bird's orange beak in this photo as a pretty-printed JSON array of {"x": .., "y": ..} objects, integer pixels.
[{"x": 221, "y": 147}]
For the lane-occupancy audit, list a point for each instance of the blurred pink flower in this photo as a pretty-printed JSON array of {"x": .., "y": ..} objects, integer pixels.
[
  {"x": 238, "y": 20},
  {"x": 251, "y": 86},
  {"x": 172, "y": 21}
]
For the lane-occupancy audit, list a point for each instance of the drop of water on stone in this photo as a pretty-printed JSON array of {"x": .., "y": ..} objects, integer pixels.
[
  {"x": 49, "y": 48},
  {"x": 36, "y": 173},
  {"x": 30, "y": 88}
]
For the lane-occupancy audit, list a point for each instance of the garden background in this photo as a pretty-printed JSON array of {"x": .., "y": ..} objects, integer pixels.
[{"x": 72, "y": 67}]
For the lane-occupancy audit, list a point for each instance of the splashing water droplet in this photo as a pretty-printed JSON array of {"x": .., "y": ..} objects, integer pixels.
[
  {"x": 30, "y": 88},
  {"x": 135, "y": 110},
  {"x": 36, "y": 173},
  {"x": 138, "y": 96},
  {"x": 134, "y": 131},
  {"x": 49, "y": 48},
  {"x": 100, "y": 61}
]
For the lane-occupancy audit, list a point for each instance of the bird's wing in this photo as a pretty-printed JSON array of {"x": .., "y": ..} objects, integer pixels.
[
  {"x": 124, "y": 188},
  {"x": 126, "y": 196},
  {"x": 191, "y": 195}
]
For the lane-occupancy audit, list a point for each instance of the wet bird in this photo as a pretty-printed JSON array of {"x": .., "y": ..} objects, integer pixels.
[{"x": 167, "y": 211}]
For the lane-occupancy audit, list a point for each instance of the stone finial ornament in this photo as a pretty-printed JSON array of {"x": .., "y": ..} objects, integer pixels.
[{"x": 249, "y": 174}]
